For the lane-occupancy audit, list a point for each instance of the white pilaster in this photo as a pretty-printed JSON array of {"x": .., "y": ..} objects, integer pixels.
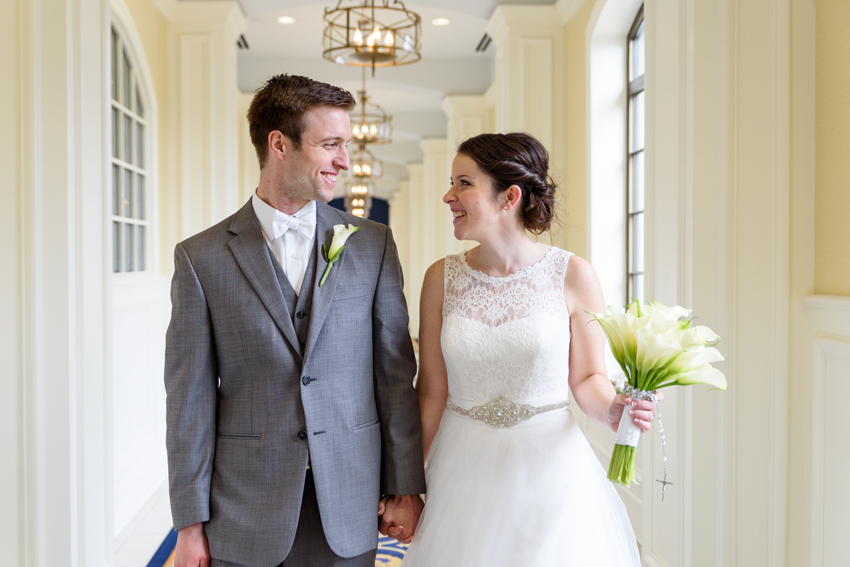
[
  {"x": 804, "y": 542},
  {"x": 435, "y": 214},
  {"x": 249, "y": 167},
  {"x": 12, "y": 432},
  {"x": 400, "y": 225},
  {"x": 734, "y": 262},
  {"x": 530, "y": 63},
  {"x": 417, "y": 243},
  {"x": 56, "y": 115},
  {"x": 204, "y": 142},
  {"x": 468, "y": 116},
  {"x": 530, "y": 80}
]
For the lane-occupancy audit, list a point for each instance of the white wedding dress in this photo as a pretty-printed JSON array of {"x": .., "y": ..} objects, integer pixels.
[{"x": 530, "y": 494}]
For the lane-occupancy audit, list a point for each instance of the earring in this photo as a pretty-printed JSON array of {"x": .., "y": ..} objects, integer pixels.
[{"x": 506, "y": 207}]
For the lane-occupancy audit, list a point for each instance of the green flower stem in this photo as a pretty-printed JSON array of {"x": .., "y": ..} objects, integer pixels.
[
  {"x": 622, "y": 467},
  {"x": 327, "y": 271}
]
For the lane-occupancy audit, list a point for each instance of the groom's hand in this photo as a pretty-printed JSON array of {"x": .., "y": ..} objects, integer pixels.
[
  {"x": 400, "y": 516},
  {"x": 192, "y": 549}
]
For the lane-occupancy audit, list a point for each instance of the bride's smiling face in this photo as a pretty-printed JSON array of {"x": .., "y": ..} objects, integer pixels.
[{"x": 475, "y": 208}]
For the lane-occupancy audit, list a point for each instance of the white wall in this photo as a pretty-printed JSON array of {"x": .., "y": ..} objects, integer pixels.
[{"x": 140, "y": 308}]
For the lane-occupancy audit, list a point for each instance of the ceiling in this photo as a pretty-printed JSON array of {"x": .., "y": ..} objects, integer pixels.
[{"x": 412, "y": 94}]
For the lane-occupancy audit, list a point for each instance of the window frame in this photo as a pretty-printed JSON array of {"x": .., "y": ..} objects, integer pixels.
[
  {"x": 141, "y": 165},
  {"x": 635, "y": 87}
]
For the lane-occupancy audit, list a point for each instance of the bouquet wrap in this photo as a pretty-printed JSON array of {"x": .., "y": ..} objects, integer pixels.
[{"x": 621, "y": 469}]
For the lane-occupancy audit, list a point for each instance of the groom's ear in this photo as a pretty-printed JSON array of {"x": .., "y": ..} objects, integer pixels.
[{"x": 279, "y": 146}]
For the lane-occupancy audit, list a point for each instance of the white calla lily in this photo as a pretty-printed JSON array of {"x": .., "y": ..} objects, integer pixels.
[
  {"x": 656, "y": 346},
  {"x": 341, "y": 234},
  {"x": 332, "y": 254},
  {"x": 675, "y": 313},
  {"x": 707, "y": 374}
]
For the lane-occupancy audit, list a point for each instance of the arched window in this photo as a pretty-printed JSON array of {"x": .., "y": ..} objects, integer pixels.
[
  {"x": 131, "y": 152},
  {"x": 635, "y": 183}
]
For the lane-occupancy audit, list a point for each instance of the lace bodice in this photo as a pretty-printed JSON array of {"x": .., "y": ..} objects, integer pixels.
[{"x": 507, "y": 336}]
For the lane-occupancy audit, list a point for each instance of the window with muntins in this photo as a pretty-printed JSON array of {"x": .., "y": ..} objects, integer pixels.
[
  {"x": 635, "y": 179},
  {"x": 131, "y": 231}
]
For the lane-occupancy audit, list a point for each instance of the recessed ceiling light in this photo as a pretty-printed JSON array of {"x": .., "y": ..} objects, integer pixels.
[
  {"x": 286, "y": 20},
  {"x": 441, "y": 21}
]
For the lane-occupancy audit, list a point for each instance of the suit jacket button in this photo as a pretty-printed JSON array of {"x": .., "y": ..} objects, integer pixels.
[
  {"x": 302, "y": 435},
  {"x": 306, "y": 380},
  {"x": 300, "y": 315}
]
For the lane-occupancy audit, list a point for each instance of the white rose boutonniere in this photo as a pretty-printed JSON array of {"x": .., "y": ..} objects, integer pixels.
[{"x": 331, "y": 255}]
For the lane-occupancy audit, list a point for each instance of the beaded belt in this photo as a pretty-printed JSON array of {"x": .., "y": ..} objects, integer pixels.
[{"x": 502, "y": 412}]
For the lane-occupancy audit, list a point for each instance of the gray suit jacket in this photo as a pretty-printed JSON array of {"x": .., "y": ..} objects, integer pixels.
[{"x": 237, "y": 398}]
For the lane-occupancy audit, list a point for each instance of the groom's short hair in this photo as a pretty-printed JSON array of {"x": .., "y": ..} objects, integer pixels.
[{"x": 280, "y": 105}]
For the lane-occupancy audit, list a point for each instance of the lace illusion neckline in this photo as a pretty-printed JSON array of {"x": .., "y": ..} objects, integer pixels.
[{"x": 500, "y": 279}]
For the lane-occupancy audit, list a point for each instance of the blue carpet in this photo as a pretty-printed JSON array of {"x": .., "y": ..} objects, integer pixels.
[
  {"x": 390, "y": 552},
  {"x": 164, "y": 552}
]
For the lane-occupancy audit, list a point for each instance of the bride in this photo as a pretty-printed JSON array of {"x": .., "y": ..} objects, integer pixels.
[{"x": 504, "y": 338}]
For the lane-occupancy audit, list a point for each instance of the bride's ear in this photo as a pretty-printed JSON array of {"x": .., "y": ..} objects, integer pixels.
[{"x": 513, "y": 195}]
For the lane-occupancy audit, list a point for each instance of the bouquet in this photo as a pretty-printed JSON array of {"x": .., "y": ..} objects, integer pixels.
[{"x": 656, "y": 346}]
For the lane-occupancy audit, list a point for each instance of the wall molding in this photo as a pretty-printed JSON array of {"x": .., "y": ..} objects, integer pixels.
[{"x": 828, "y": 332}]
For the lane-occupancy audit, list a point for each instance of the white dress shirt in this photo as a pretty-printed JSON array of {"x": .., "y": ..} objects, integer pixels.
[{"x": 291, "y": 248}]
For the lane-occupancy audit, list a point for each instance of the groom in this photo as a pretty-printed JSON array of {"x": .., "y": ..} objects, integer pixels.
[{"x": 290, "y": 406}]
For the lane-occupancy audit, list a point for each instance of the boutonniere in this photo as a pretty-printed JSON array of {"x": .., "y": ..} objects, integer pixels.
[{"x": 341, "y": 234}]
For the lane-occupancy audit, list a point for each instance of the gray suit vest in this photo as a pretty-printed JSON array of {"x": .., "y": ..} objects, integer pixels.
[{"x": 299, "y": 305}]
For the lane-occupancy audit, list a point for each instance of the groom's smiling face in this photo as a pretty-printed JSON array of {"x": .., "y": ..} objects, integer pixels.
[{"x": 310, "y": 173}]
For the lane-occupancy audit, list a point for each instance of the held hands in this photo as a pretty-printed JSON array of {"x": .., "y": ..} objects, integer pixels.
[
  {"x": 641, "y": 410},
  {"x": 192, "y": 549},
  {"x": 400, "y": 516}
]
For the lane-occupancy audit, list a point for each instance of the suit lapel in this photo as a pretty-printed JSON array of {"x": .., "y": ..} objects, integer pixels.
[
  {"x": 250, "y": 250},
  {"x": 326, "y": 217}
]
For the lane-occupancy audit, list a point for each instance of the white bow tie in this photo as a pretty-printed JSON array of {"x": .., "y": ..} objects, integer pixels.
[{"x": 305, "y": 226}]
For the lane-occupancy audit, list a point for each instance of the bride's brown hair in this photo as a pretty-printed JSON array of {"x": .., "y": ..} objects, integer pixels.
[{"x": 517, "y": 159}]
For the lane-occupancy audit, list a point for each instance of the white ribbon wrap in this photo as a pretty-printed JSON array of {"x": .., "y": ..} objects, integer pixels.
[{"x": 627, "y": 432}]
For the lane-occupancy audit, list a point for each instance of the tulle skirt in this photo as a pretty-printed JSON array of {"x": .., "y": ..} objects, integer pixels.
[{"x": 529, "y": 495}]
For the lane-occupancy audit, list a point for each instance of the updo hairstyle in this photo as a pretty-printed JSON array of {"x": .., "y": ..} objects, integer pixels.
[{"x": 517, "y": 159}]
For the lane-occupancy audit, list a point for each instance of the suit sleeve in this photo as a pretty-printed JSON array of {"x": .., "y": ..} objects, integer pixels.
[
  {"x": 402, "y": 467},
  {"x": 191, "y": 380}
]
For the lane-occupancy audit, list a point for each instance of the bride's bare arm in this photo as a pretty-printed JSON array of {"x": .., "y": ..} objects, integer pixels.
[
  {"x": 589, "y": 382},
  {"x": 432, "y": 384}
]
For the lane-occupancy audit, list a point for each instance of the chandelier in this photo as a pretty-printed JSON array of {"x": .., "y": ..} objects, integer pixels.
[
  {"x": 358, "y": 199},
  {"x": 363, "y": 164},
  {"x": 370, "y": 124},
  {"x": 372, "y": 34}
]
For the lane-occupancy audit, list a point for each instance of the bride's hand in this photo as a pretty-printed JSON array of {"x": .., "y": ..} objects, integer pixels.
[{"x": 642, "y": 411}]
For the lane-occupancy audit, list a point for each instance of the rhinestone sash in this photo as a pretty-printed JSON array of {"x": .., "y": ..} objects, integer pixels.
[{"x": 502, "y": 412}]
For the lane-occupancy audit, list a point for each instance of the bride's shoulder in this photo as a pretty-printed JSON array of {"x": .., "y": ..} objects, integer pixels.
[
  {"x": 438, "y": 268},
  {"x": 580, "y": 274},
  {"x": 432, "y": 283}
]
